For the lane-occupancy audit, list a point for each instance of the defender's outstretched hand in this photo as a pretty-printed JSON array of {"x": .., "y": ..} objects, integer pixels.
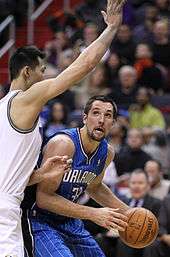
[
  {"x": 113, "y": 14},
  {"x": 54, "y": 166}
]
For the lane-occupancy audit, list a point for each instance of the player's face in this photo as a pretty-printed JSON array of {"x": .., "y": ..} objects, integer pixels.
[
  {"x": 37, "y": 74},
  {"x": 138, "y": 185},
  {"x": 99, "y": 120}
]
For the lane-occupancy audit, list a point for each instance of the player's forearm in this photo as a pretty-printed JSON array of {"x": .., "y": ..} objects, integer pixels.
[
  {"x": 85, "y": 63},
  {"x": 61, "y": 206},
  {"x": 104, "y": 196}
]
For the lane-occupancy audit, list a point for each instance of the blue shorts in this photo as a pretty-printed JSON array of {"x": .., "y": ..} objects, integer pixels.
[{"x": 69, "y": 239}]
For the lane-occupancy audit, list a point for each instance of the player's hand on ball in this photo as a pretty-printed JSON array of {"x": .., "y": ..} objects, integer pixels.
[
  {"x": 110, "y": 218},
  {"x": 113, "y": 14},
  {"x": 54, "y": 166}
]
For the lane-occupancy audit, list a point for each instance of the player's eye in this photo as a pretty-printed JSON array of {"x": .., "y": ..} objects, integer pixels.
[
  {"x": 96, "y": 112},
  {"x": 108, "y": 115}
]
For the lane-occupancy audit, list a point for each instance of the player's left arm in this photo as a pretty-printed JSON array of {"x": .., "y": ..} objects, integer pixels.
[{"x": 101, "y": 193}]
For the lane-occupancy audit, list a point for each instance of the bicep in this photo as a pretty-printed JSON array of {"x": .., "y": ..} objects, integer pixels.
[{"x": 60, "y": 145}]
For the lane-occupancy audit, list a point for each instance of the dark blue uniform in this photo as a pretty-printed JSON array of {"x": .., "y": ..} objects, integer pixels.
[{"x": 57, "y": 235}]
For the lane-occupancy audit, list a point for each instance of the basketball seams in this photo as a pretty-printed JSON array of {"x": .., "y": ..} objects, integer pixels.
[
  {"x": 141, "y": 227},
  {"x": 128, "y": 222},
  {"x": 131, "y": 236}
]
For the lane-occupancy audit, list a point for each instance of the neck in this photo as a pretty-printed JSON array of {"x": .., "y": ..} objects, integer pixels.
[
  {"x": 18, "y": 84},
  {"x": 89, "y": 144}
]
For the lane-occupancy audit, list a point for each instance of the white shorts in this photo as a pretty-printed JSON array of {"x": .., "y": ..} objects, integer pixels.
[{"x": 11, "y": 241}]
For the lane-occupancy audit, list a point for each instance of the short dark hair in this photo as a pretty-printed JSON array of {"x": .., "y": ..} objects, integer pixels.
[
  {"x": 102, "y": 98},
  {"x": 24, "y": 56},
  {"x": 140, "y": 171}
]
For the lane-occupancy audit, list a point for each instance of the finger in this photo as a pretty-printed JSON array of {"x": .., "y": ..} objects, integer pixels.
[
  {"x": 118, "y": 222},
  {"x": 69, "y": 161},
  {"x": 104, "y": 15},
  {"x": 56, "y": 158},
  {"x": 119, "y": 215},
  {"x": 112, "y": 225}
]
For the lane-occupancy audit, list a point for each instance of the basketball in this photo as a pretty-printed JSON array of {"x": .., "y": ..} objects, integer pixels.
[{"x": 142, "y": 228}]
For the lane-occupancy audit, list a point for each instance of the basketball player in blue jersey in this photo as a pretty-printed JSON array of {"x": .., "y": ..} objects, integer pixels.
[
  {"x": 20, "y": 139},
  {"x": 57, "y": 217}
]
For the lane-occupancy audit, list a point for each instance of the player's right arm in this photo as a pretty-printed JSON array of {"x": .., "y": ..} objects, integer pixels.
[
  {"x": 49, "y": 200},
  {"x": 35, "y": 97}
]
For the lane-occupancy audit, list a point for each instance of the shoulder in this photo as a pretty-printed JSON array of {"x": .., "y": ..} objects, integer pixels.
[
  {"x": 154, "y": 201},
  {"x": 110, "y": 154},
  {"x": 60, "y": 145}
]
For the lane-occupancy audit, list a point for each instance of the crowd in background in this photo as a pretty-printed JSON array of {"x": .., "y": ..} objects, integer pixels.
[{"x": 135, "y": 73}]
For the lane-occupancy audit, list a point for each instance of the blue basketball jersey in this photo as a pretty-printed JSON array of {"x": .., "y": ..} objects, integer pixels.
[{"x": 84, "y": 170}]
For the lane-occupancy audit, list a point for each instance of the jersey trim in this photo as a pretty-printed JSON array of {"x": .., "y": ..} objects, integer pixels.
[
  {"x": 22, "y": 131},
  {"x": 89, "y": 158}
]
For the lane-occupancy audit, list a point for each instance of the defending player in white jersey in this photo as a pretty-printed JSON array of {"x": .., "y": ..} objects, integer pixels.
[{"x": 20, "y": 139}]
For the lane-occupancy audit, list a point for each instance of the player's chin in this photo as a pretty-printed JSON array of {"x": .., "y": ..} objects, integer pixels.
[{"x": 98, "y": 138}]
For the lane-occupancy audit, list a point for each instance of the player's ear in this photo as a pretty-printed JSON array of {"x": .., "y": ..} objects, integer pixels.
[
  {"x": 84, "y": 118},
  {"x": 26, "y": 72}
]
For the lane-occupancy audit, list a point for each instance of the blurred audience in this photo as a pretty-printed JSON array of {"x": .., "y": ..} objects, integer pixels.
[
  {"x": 144, "y": 31},
  {"x": 159, "y": 186},
  {"x": 124, "y": 44},
  {"x": 131, "y": 156},
  {"x": 161, "y": 246},
  {"x": 143, "y": 114},
  {"x": 57, "y": 120},
  {"x": 124, "y": 91},
  {"x": 148, "y": 73},
  {"x": 159, "y": 149},
  {"x": 139, "y": 188},
  {"x": 161, "y": 43}
]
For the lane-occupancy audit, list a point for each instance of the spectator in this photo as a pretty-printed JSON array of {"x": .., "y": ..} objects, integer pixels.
[
  {"x": 139, "y": 188},
  {"x": 57, "y": 120},
  {"x": 90, "y": 10},
  {"x": 161, "y": 247},
  {"x": 117, "y": 136},
  {"x": 124, "y": 92},
  {"x": 96, "y": 83},
  {"x": 144, "y": 31},
  {"x": 131, "y": 156},
  {"x": 124, "y": 45},
  {"x": 159, "y": 186},
  {"x": 54, "y": 47},
  {"x": 159, "y": 149},
  {"x": 143, "y": 114},
  {"x": 148, "y": 73},
  {"x": 90, "y": 33},
  {"x": 113, "y": 65},
  {"x": 163, "y": 8},
  {"x": 161, "y": 44}
]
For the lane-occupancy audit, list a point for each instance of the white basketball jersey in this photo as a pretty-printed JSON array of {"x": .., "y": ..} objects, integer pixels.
[{"x": 19, "y": 151}]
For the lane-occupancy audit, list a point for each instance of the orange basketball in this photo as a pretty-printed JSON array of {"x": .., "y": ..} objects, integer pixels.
[{"x": 142, "y": 228}]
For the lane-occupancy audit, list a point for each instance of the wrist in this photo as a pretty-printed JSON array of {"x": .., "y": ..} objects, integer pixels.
[
  {"x": 91, "y": 213},
  {"x": 40, "y": 175}
]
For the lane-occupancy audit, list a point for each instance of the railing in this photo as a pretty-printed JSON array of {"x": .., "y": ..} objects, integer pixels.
[
  {"x": 10, "y": 44},
  {"x": 33, "y": 15}
]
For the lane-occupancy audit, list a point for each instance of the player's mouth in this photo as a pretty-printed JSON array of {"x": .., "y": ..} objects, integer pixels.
[{"x": 99, "y": 130}]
